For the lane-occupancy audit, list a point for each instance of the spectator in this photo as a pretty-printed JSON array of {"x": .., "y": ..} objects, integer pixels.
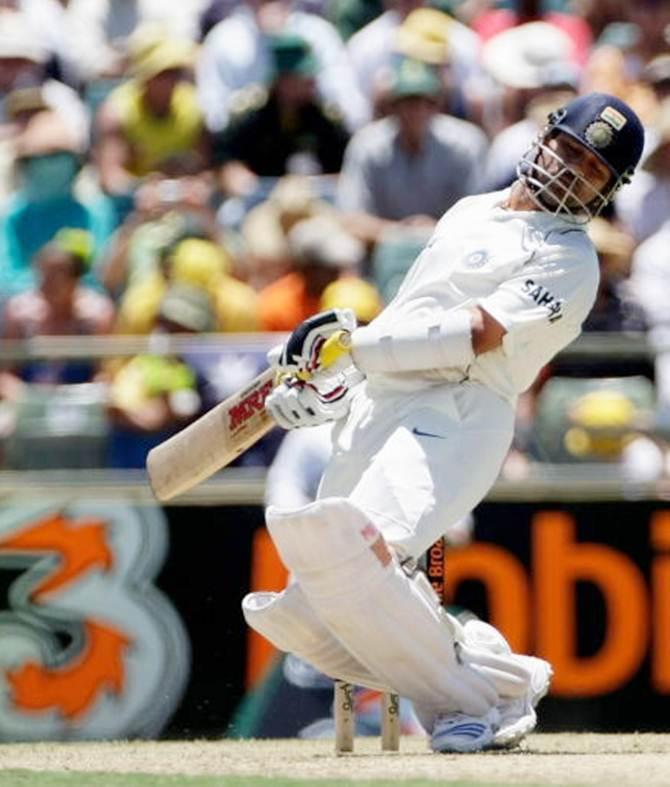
[
  {"x": 656, "y": 74},
  {"x": 652, "y": 20},
  {"x": 60, "y": 305},
  {"x": 202, "y": 265},
  {"x": 236, "y": 54},
  {"x": 613, "y": 68},
  {"x": 599, "y": 14},
  {"x": 214, "y": 12},
  {"x": 282, "y": 130},
  {"x": 436, "y": 37},
  {"x": 370, "y": 49},
  {"x": 614, "y": 310},
  {"x": 48, "y": 159},
  {"x": 44, "y": 19},
  {"x": 352, "y": 292},
  {"x": 494, "y": 21},
  {"x": 151, "y": 122},
  {"x": 23, "y": 61},
  {"x": 601, "y": 420},
  {"x": 165, "y": 209},
  {"x": 322, "y": 252},
  {"x": 349, "y": 16},
  {"x": 413, "y": 165},
  {"x": 99, "y": 30},
  {"x": 153, "y": 396},
  {"x": 647, "y": 207},
  {"x": 428, "y": 34},
  {"x": 266, "y": 226},
  {"x": 649, "y": 280},
  {"x": 19, "y": 106},
  {"x": 520, "y": 62}
]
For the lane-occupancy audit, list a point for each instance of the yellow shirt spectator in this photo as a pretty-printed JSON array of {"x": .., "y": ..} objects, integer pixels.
[
  {"x": 155, "y": 139},
  {"x": 152, "y": 122},
  {"x": 198, "y": 263}
]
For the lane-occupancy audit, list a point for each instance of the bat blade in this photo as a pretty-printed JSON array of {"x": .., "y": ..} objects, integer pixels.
[{"x": 212, "y": 441}]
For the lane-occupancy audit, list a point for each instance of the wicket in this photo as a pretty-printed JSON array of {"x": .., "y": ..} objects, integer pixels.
[{"x": 345, "y": 719}]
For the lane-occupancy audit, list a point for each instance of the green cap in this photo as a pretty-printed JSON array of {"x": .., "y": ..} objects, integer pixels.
[
  {"x": 291, "y": 54},
  {"x": 414, "y": 78}
]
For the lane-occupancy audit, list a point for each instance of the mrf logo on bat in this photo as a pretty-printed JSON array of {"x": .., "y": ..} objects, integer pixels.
[
  {"x": 252, "y": 402},
  {"x": 84, "y": 644}
]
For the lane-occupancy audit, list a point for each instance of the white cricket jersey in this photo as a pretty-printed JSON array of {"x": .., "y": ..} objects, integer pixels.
[{"x": 535, "y": 273}]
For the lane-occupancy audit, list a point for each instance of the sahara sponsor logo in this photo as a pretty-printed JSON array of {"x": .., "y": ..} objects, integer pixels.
[
  {"x": 542, "y": 297},
  {"x": 89, "y": 648}
]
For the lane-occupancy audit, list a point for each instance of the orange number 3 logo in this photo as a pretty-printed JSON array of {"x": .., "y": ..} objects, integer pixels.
[{"x": 89, "y": 648}]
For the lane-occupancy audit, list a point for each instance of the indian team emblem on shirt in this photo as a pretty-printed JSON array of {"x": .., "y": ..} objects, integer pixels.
[{"x": 476, "y": 259}]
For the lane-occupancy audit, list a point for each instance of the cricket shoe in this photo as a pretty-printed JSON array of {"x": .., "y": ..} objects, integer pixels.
[
  {"x": 518, "y": 717},
  {"x": 461, "y": 733}
]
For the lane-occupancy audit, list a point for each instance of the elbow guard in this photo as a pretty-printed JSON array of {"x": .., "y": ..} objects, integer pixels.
[{"x": 442, "y": 343}]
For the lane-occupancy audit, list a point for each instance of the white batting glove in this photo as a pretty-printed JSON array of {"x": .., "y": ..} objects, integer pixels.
[
  {"x": 319, "y": 343},
  {"x": 274, "y": 354},
  {"x": 295, "y": 403}
]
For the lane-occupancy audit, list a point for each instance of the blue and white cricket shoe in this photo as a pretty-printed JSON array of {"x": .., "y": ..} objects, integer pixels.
[{"x": 458, "y": 732}]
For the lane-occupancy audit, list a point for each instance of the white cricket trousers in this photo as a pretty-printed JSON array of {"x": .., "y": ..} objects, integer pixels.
[{"x": 418, "y": 462}]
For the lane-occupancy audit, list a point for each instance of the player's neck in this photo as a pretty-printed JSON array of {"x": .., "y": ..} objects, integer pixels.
[{"x": 518, "y": 198}]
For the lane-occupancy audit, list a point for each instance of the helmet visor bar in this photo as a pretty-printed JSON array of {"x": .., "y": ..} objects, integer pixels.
[{"x": 557, "y": 188}]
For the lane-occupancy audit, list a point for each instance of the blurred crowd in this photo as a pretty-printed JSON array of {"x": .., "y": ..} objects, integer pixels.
[{"x": 213, "y": 166}]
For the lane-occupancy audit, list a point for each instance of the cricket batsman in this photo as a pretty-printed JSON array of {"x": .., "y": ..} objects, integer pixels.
[{"x": 503, "y": 284}]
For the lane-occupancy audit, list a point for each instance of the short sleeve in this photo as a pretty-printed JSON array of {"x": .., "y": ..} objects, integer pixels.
[{"x": 546, "y": 304}]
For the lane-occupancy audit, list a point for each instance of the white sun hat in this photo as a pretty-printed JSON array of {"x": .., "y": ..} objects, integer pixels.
[
  {"x": 533, "y": 55},
  {"x": 17, "y": 40}
]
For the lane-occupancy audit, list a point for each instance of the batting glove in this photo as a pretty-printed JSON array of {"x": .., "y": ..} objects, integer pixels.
[
  {"x": 295, "y": 403},
  {"x": 319, "y": 343}
]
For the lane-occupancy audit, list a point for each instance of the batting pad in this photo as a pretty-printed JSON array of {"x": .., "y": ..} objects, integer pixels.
[
  {"x": 288, "y": 621},
  {"x": 385, "y": 619},
  {"x": 486, "y": 647}
]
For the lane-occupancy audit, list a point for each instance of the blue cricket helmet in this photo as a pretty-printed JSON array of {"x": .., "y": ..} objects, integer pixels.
[{"x": 607, "y": 126}]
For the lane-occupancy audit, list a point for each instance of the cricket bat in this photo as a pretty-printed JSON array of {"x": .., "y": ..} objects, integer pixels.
[{"x": 212, "y": 441}]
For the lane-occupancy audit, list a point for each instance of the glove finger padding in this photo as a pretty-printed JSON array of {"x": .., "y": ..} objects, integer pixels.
[
  {"x": 301, "y": 352},
  {"x": 295, "y": 403}
]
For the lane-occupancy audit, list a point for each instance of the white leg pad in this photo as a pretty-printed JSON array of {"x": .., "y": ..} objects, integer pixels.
[
  {"x": 485, "y": 647},
  {"x": 509, "y": 675},
  {"x": 288, "y": 621},
  {"x": 385, "y": 619}
]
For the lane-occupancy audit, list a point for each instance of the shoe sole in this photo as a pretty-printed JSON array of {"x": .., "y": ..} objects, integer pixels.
[{"x": 512, "y": 736}]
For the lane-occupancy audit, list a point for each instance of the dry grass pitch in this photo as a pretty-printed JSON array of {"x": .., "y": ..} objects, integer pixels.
[{"x": 546, "y": 759}]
